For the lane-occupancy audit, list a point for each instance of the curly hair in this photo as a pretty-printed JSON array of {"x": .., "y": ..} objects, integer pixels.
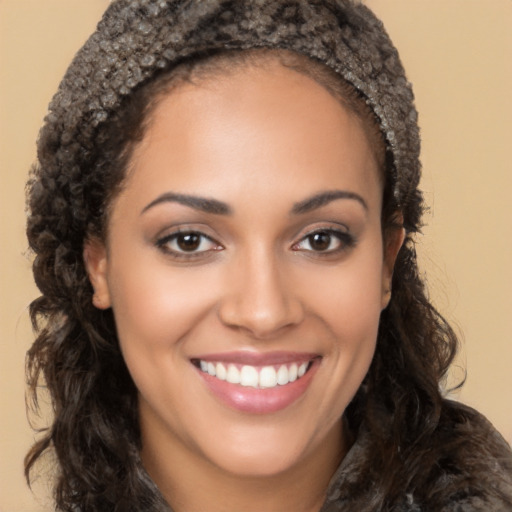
[{"x": 83, "y": 153}]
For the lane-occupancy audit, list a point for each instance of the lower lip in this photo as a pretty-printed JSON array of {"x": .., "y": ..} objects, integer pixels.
[{"x": 259, "y": 401}]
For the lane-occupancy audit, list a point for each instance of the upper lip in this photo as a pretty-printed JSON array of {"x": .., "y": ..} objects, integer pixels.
[{"x": 253, "y": 358}]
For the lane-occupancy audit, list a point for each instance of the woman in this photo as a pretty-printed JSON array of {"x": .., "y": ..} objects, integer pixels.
[{"x": 232, "y": 318}]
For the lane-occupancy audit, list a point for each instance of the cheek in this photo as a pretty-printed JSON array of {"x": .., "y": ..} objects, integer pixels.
[
  {"x": 160, "y": 313},
  {"x": 347, "y": 300},
  {"x": 155, "y": 306},
  {"x": 354, "y": 314},
  {"x": 353, "y": 317},
  {"x": 349, "y": 296}
]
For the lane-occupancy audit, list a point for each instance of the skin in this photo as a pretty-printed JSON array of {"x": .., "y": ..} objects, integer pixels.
[{"x": 261, "y": 140}]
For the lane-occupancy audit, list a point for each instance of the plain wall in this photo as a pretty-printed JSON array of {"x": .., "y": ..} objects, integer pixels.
[{"x": 457, "y": 54}]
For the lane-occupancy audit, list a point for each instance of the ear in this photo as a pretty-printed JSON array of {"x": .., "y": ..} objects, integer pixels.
[
  {"x": 95, "y": 260},
  {"x": 393, "y": 241}
]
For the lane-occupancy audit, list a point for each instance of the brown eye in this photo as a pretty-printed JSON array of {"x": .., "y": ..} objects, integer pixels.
[
  {"x": 320, "y": 241},
  {"x": 327, "y": 241},
  {"x": 188, "y": 242}
]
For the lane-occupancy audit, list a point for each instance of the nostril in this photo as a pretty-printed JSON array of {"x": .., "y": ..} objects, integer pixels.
[{"x": 260, "y": 318}]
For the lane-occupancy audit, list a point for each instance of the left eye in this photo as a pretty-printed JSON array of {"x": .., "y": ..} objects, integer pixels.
[
  {"x": 187, "y": 242},
  {"x": 324, "y": 241}
]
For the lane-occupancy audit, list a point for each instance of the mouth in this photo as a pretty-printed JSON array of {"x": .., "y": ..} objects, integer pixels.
[
  {"x": 257, "y": 383},
  {"x": 259, "y": 377}
]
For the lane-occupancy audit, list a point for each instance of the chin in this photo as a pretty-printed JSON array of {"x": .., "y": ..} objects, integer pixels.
[{"x": 256, "y": 461}]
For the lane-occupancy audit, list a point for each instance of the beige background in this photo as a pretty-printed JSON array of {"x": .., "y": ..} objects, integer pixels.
[{"x": 458, "y": 55}]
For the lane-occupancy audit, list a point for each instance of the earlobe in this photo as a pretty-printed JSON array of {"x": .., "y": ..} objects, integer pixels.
[
  {"x": 393, "y": 243},
  {"x": 95, "y": 260}
]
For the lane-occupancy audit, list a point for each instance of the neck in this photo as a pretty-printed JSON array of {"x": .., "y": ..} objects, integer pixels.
[{"x": 188, "y": 482}]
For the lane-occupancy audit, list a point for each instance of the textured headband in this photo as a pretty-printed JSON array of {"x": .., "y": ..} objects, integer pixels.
[{"x": 136, "y": 38}]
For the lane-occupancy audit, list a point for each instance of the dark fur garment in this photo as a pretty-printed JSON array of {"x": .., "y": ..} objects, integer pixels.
[{"x": 474, "y": 474}]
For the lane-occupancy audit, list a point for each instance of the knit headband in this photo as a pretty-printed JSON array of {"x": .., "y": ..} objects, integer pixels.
[{"x": 137, "y": 38}]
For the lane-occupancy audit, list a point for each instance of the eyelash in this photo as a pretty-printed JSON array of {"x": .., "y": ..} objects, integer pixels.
[{"x": 344, "y": 241}]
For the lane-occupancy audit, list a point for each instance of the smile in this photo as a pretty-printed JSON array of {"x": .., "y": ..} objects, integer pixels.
[
  {"x": 257, "y": 383},
  {"x": 260, "y": 377}
]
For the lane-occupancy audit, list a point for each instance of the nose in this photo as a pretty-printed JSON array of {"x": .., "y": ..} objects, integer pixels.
[{"x": 261, "y": 299}]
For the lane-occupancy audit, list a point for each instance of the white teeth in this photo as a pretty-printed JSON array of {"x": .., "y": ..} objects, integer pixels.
[
  {"x": 250, "y": 376},
  {"x": 233, "y": 375},
  {"x": 282, "y": 375},
  {"x": 220, "y": 371},
  {"x": 292, "y": 373},
  {"x": 268, "y": 377}
]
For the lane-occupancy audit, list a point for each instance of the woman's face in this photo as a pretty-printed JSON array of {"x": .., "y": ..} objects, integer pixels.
[{"x": 246, "y": 245}]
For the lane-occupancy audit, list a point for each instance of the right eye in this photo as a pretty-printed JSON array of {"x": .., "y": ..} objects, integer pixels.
[{"x": 187, "y": 243}]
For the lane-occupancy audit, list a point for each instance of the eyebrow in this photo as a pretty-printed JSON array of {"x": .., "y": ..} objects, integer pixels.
[
  {"x": 323, "y": 198},
  {"x": 203, "y": 204}
]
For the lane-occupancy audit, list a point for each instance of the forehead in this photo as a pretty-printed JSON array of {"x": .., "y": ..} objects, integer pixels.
[
  {"x": 257, "y": 124},
  {"x": 222, "y": 65}
]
